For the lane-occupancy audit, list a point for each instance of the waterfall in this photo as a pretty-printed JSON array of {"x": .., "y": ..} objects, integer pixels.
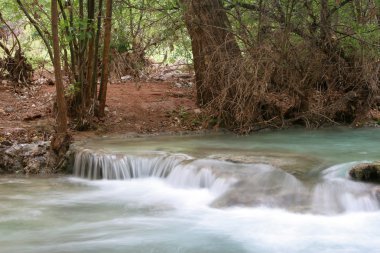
[
  {"x": 337, "y": 193},
  {"x": 96, "y": 165},
  {"x": 236, "y": 184},
  {"x": 176, "y": 169}
]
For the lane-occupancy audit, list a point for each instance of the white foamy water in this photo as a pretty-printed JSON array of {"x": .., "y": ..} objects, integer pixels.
[
  {"x": 150, "y": 215},
  {"x": 174, "y": 200},
  {"x": 236, "y": 184}
]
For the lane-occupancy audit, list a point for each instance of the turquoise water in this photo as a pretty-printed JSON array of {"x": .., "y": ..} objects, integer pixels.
[
  {"x": 332, "y": 145},
  {"x": 216, "y": 198}
]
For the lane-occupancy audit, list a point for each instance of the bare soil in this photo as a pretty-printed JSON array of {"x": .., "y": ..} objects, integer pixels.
[{"x": 142, "y": 108}]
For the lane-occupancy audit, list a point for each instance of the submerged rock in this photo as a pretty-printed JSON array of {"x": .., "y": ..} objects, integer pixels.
[
  {"x": 295, "y": 164},
  {"x": 366, "y": 172}
]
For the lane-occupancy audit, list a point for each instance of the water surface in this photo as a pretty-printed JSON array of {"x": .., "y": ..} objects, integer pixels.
[{"x": 216, "y": 193}]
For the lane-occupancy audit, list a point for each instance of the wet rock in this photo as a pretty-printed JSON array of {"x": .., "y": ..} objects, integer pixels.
[
  {"x": 66, "y": 164},
  {"x": 366, "y": 172},
  {"x": 34, "y": 165}
]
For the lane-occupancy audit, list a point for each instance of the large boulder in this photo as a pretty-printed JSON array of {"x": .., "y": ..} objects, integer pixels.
[{"x": 366, "y": 172}]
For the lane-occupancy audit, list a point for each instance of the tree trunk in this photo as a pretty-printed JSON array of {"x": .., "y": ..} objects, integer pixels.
[
  {"x": 97, "y": 38},
  {"x": 325, "y": 25},
  {"x": 72, "y": 72},
  {"x": 59, "y": 142},
  {"x": 105, "y": 60},
  {"x": 90, "y": 53},
  {"x": 211, "y": 41},
  {"x": 74, "y": 43}
]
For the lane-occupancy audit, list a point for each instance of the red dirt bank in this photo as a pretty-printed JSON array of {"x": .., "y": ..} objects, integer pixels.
[{"x": 131, "y": 107}]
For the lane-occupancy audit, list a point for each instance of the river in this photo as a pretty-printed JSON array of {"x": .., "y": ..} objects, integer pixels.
[{"x": 281, "y": 191}]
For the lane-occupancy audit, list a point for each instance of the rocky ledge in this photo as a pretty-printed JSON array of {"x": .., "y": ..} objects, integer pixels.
[
  {"x": 30, "y": 158},
  {"x": 366, "y": 172}
]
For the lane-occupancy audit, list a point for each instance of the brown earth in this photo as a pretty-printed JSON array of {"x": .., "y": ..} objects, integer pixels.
[
  {"x": 131, "y": 108},
  {"x": 143, "y": 108}
]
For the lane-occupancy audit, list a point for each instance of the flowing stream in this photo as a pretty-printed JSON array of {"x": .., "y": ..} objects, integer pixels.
[{"x": 283, "y": 191}]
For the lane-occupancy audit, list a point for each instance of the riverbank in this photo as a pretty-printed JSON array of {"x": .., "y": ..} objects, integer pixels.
[
  {"x": 143, "y": 108},
  {"x": 133, "y": 109},
  {"x": 27, "y": 119}
]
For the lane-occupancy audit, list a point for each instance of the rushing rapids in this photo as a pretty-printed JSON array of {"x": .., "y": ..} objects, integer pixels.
[{"x": 236, "y": 184}]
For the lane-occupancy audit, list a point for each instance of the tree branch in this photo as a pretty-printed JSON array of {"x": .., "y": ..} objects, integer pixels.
[
  {"x": 11, "y": 30},
  {"x": 338, "y": 7},
  {"x": 6, "y": 50},
  {"x": 280, "y": 19},
  {"x": 34, "y": 23}
]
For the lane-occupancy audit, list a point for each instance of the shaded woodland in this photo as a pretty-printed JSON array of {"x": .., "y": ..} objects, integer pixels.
[{"x": 257, "y": 64}]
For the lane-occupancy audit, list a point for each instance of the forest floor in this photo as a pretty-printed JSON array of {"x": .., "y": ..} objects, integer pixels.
[{"x": 142, "y": 108}]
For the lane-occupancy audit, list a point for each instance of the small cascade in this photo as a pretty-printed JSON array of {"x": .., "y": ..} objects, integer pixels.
[
  {"x": 236, "y": 184},
  {"x": 94, "y": 165},
  {"x": 178, "y": 170}
]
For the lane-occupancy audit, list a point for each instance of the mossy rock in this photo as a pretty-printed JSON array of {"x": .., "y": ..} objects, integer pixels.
[{"x": 366, "y": 172}]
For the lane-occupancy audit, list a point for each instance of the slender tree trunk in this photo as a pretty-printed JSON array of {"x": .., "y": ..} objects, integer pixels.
[
  {"x": 106, "y": 54},
  {"x": 74, "y": 42},
  {"x": 66, "y": 67},
  {"x": 81, "y": 63},
  {"x": 377, "y": 8},
  {"x": 260, "y": 29},
  {"x": 325, "y": 25},
  {"x": 71, "y": 73},
  {"x": 61, "y": 136},
  {"x": 97, "y": 39},
  {"x": 90, "y": 53},
  {"x": 84, "y": 95},
  {"x": 211, "y": 41}
]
